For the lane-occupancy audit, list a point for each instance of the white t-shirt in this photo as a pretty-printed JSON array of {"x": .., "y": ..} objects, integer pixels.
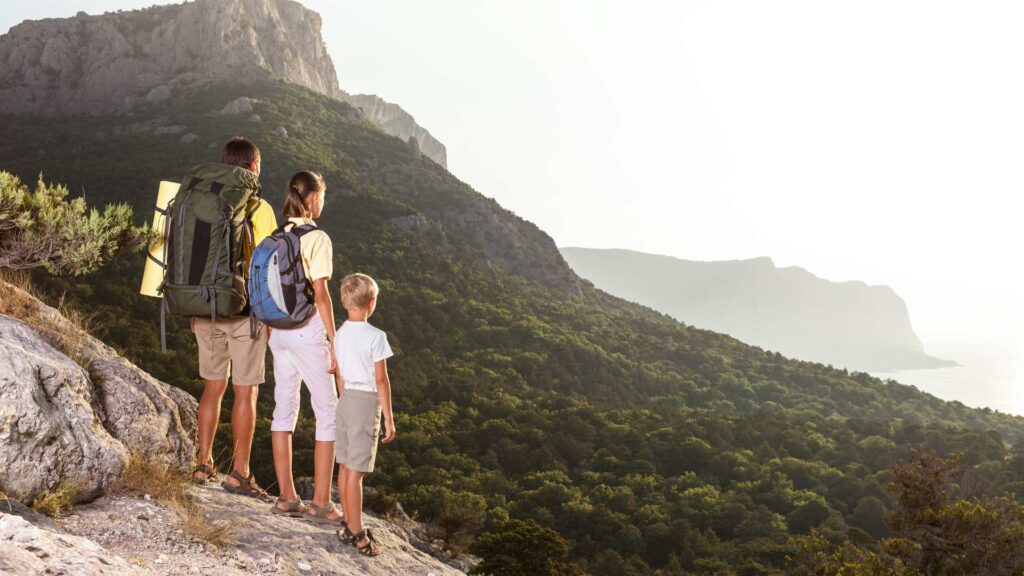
[{"x": 358, "y": 346}]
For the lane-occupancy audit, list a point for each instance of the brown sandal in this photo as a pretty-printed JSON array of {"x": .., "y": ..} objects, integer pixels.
[
  {"x": 370, "y": 548},
  {"x": 345, "y": 535},
  {"x": 322, "y": 514},
  {"x": 246, "y": 487},
  {"x": 293, "y": 508},
  {"x": 211, "y": 474}
]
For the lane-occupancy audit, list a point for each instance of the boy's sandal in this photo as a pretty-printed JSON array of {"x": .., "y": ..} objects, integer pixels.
[
  {"x": 345, "y": 535},
  {"x": 210, "y": 472},
  {"x": 322, "y": 514},
  {"x": 246, "y": 487},
  {"x": 368, "y": 549},
  {"x": 293, "y": 508}
]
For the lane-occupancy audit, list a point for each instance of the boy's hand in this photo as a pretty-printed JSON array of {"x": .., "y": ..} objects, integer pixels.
[
  {"x": 192, "y": 324},
  {"x": 389, "y": 431}
]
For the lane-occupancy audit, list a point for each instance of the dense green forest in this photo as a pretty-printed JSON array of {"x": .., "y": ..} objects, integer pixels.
[{"x": 627, "y": 441}]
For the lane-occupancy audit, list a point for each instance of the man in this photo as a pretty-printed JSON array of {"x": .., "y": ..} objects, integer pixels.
[{"x": 228, "y": 347}]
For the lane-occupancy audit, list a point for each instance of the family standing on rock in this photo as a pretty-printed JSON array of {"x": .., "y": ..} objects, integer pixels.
[{"x": 247, "y": 283}]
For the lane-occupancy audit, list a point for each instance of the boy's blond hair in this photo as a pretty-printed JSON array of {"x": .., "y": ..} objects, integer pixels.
[{"x": 357, "y": 290}]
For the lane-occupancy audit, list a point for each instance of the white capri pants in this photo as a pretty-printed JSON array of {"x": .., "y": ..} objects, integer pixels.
[{"x": 302, "y": 354}]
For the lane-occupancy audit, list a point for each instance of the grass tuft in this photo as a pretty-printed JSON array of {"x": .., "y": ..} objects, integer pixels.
[
  {"x": 195, "y": 522},
  {"x": 142, "y": 476},
  {"x": 167, "y": 486},
  {"x": 57, "y": 501},
  {"x": 68, "y": 331}
]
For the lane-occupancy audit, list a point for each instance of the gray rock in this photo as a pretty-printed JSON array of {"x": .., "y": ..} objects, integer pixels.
[
  {"x": 49, "y": 428},
  {"x": 281, "y": 131},
  {"x": 255, "y": 119},
  {"x": 414, "y": 147},
  {"x": 161, "y": 130},
  {"x": 411, "y": 223},
  {"x": 159, "y": 94},
  {"x": 240, "y": 105},
  {"x": 189, "y": 138},
  {"x": 59, "y": 421},
  {"x": 29, "y": 549},
  {"x": 392, "y": 119}
]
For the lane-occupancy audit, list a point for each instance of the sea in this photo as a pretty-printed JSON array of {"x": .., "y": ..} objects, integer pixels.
[{"x": 989, "y": 375}]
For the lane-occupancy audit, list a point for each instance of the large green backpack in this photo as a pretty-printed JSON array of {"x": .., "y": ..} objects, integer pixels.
[{"x": 206, "y": 223}]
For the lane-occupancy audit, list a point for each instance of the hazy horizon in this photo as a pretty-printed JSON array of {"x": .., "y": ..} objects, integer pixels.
[{"x": 873, "y": 141}]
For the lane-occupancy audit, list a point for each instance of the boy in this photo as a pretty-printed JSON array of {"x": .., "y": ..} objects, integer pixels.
[
  {"x": 227, "y": 348},
  {"x": 365, "y": 393}
]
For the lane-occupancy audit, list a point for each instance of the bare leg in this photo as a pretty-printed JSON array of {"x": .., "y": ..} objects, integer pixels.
[
  {"x": 243, "y": 426},
  {"x": 354, "y": 501},
  {"x": 323, "y": 470},
  {"x": 342, "y": 482},
  {"x": 209, "y": 415},
  {"x": 281, "y": 443}
]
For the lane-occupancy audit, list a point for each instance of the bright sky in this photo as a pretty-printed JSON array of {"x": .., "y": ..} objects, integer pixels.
[{"x": 877, "y": 140}]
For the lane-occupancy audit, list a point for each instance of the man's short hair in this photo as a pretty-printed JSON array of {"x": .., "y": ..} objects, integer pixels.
[
  {"x": 357, "y": 290},
  {"x": 240, "y": 152}
]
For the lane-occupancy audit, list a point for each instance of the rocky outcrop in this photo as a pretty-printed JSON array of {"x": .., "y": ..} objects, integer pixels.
[
  {"x": 116, "y": 62},
  {"x": 29, "y": 549},
  {"x": 111, "y": 62},
  {"x": 50, "y": 427},
  {"x": 122, "y": 534},
  {"x": 789, "y": 310},
  {"x": 78, "y": 420},
  {"x": 392, "y": 119}
]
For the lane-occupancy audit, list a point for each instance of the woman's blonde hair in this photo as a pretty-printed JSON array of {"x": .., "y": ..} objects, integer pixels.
[
  {"x": 300, "y": 189},
  {"x": 357, "y": 290}
]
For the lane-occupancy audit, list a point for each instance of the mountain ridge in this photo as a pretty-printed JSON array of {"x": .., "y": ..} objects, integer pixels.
[{"x": 850, "y": 323}]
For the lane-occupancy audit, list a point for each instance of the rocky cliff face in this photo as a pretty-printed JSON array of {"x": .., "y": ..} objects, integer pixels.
[
  {"x": 78, "y": 420},
  {"x": 789, "y": 310},
  {"x": 116, "y": 62},
  {"x": 399, "y": 123}
]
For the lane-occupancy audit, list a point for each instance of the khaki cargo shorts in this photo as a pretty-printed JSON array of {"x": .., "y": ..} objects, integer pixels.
[
  {"x": 227, "y": 348},
  {"x": 356, "y": 429}
]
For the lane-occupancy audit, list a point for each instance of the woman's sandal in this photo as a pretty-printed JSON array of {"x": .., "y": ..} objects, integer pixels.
[
  {"x": 293, "y": 508},
  {"x": 210, "y": 472},
  {"x": 322, "y": 514},
  {"x": 368, "y": 549},
  {"x": 246, "y": 487}
]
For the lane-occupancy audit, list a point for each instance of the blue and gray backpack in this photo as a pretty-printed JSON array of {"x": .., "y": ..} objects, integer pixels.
[{"x": 280, "y": 295}]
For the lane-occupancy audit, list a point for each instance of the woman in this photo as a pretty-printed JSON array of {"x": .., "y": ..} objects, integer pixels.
[{"x": 306, "y": 354}]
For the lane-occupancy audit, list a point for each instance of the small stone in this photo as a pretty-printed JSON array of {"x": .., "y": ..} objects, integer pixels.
[
  {"x": 255, "y": 119},
  {"x": 241, "y": 105},
  {"x": 161, "y": 559},
  {"x": 281, "y": 131},
  {"x": 302, "y": 566},
  {"x": 266, "y": 561},
  {"x": 159, "y": 94},
  {"x": 189, "y": 138},
  {"x": 147, "y": 497}
]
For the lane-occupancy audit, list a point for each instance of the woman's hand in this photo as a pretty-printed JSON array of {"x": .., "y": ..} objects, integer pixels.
[
  {"x": 389, "y": 430},
  {"x": 332, "y": 362}
]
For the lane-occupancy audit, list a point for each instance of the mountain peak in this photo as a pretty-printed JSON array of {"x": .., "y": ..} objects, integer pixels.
[
  {"x": 111, "y": 62},
  {"x": 118, "y": 61}
]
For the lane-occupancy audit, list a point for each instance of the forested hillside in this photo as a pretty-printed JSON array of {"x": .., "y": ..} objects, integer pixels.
[{"x": 521, "y": 392}]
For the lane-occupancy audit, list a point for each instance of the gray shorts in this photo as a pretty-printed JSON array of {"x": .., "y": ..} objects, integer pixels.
[{"x": 357, "y": 427}]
